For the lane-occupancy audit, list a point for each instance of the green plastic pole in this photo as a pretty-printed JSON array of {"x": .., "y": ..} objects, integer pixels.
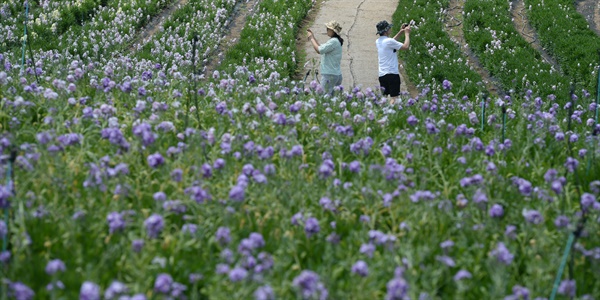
[
  {"x": 483, "y": 111},
  {"x": 598, "y": 97},
  {"x": 25, "y": 37},
  {"x": 9, "y": 185},
  {"x": 503, "y": 123},
  {"x": 561, "y": 269}
]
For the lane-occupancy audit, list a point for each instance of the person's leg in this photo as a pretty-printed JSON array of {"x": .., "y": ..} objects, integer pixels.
[
  {"x": 383, "y": 85},
  {"x": 327, "y": 82}
]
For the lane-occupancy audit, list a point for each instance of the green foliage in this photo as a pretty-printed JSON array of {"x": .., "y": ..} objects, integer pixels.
[{"x": 566, "y": 34}]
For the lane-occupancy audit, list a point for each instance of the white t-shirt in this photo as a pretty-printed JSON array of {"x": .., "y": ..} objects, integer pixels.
[{"x": 388, "y": 58}]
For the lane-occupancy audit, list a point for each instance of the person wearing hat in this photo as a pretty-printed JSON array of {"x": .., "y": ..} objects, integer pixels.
[
  {"x": 331, "y": 56},
  {"x": 389, "y": 75}
]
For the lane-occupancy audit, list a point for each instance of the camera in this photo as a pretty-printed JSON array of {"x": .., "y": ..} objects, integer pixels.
[{"x": 404, "y": 25}]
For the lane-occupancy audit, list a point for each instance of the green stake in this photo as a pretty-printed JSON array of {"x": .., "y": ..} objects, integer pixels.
[
  {"x": 503, "y": 123},
  {"x": 483, "y": 111},
  {"x": 24, "y": 37}
]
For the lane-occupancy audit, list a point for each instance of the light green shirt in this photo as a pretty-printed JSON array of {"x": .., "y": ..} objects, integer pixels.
[{"x": 331, "y": 57}]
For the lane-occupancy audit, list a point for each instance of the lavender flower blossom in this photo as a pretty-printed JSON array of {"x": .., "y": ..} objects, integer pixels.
[
  {"x": 154, "y": 225},
  {"x": 360, "y": 268},
  {"x": 163, "y": 283},
  {"x": 462, "y": 274},
  {"x": 89, "y": 291},
  {"x": 502, "y": 254},
  {"x": 20, "y": 291},
  {"x": 54, "y": 266},
  {"x": 264, "y": 293}
]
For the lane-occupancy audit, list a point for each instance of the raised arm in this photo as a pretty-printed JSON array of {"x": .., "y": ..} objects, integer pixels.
[{"x": 313, "y": 40}]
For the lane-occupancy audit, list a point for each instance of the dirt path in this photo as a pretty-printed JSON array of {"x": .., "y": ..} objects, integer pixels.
[
  {"x": 358, "y": 19},
  {"x": 519, "y": 16},
  {"x": 155, "y": 25},
  {"x": 590, "y": 9},
  {"x": 454, "y": 28},
  {"x": 233, "y": 32}
]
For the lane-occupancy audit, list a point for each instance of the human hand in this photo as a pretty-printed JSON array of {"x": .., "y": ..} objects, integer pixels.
[{"x": 309, "y": 33}]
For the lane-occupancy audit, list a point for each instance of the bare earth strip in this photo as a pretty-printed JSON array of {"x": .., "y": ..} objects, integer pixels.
[
  {"x": 358, "y": 19},
  {"x": 156, "y": 24},
  {"x": 454, "y": 28},
  {"x": 590, "y": 9},
  {"x": 234, "y": 30},
  {"x": 519, "y": 17}
]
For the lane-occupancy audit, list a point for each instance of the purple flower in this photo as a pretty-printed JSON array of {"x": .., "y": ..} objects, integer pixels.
[
  {"x": 20, "y": 291},
  {"x": 567, "y": 288},
  {"x": 462, "y": 274},
  {"x": 154, "y": 225},
  {"x": 70, "y": 139},
  {"x": 160, "y": 196},
  {"x": 502, "y": 254},
  {"x": 195, "y": 277},
  {"x": 447, "y": 244},
  {"x": 264, "y": 292},
  {"x": 237, "y": 193},
  {"x": 367, "y": 249},
  {"x": 510, "y": 232},
  {"x": 587, "y": 200},
  {"x": 518, "y": 293},
  {"x": 397, "y": 289},
  {"x": 137, "y": 245},
  {"x": 533, "y": 216},
  {"x": 189, "y": 228},
  {"x": 155, "y": 160},
  {"x": 163, "y": 283},
  {"x": 54, "y": 266},
  {"x": 496, "y": 211},
  {"x": 257, "y": 240},
  {"x": 447, "y": 260},
  {"x": 238, "y": 274},
  {"x": 89, "y": 291},
  {"x": 223, "y": 235},
  {"x": 360, "y": 268},
  {"x": 309, "y": 284},
  {"x": 114, "y": 290},
  {"x": 115, "y": 222},
  {"x": 177, "y": 175},
  {"x": 311, "y": 226},
  {"x": 219, "y": 163},
  {"x": 354, "y": 167},
  {"x": 561, "y": 221},
  {"x": 571, "y": 164},
  {"x": 446, "y": 84},
  {"x": 412, "y": 120},
  {"x": 480, "y": 197}
]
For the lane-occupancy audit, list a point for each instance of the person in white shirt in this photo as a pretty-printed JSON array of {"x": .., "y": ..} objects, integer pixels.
[{"x": 389, "y": 75}]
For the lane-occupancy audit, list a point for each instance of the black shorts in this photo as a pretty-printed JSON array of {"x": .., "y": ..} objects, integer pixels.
[{"x": 390, "y": 84}]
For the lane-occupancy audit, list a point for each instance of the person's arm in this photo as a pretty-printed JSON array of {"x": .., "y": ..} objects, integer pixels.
[
  {"x": 313, "y": 41},
  {"x": 406, "y": 44}
]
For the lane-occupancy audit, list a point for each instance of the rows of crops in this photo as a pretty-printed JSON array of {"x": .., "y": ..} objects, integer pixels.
[{"x": 131, "y": 184}]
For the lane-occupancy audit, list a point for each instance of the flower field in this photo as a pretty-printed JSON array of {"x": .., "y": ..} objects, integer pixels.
[{"x": 124, "y": 175}]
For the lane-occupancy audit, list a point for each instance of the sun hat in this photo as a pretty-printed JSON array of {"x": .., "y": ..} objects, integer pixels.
[
  {"x": 335, "y": 26},
  {"x": 383, "y": 26}
]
